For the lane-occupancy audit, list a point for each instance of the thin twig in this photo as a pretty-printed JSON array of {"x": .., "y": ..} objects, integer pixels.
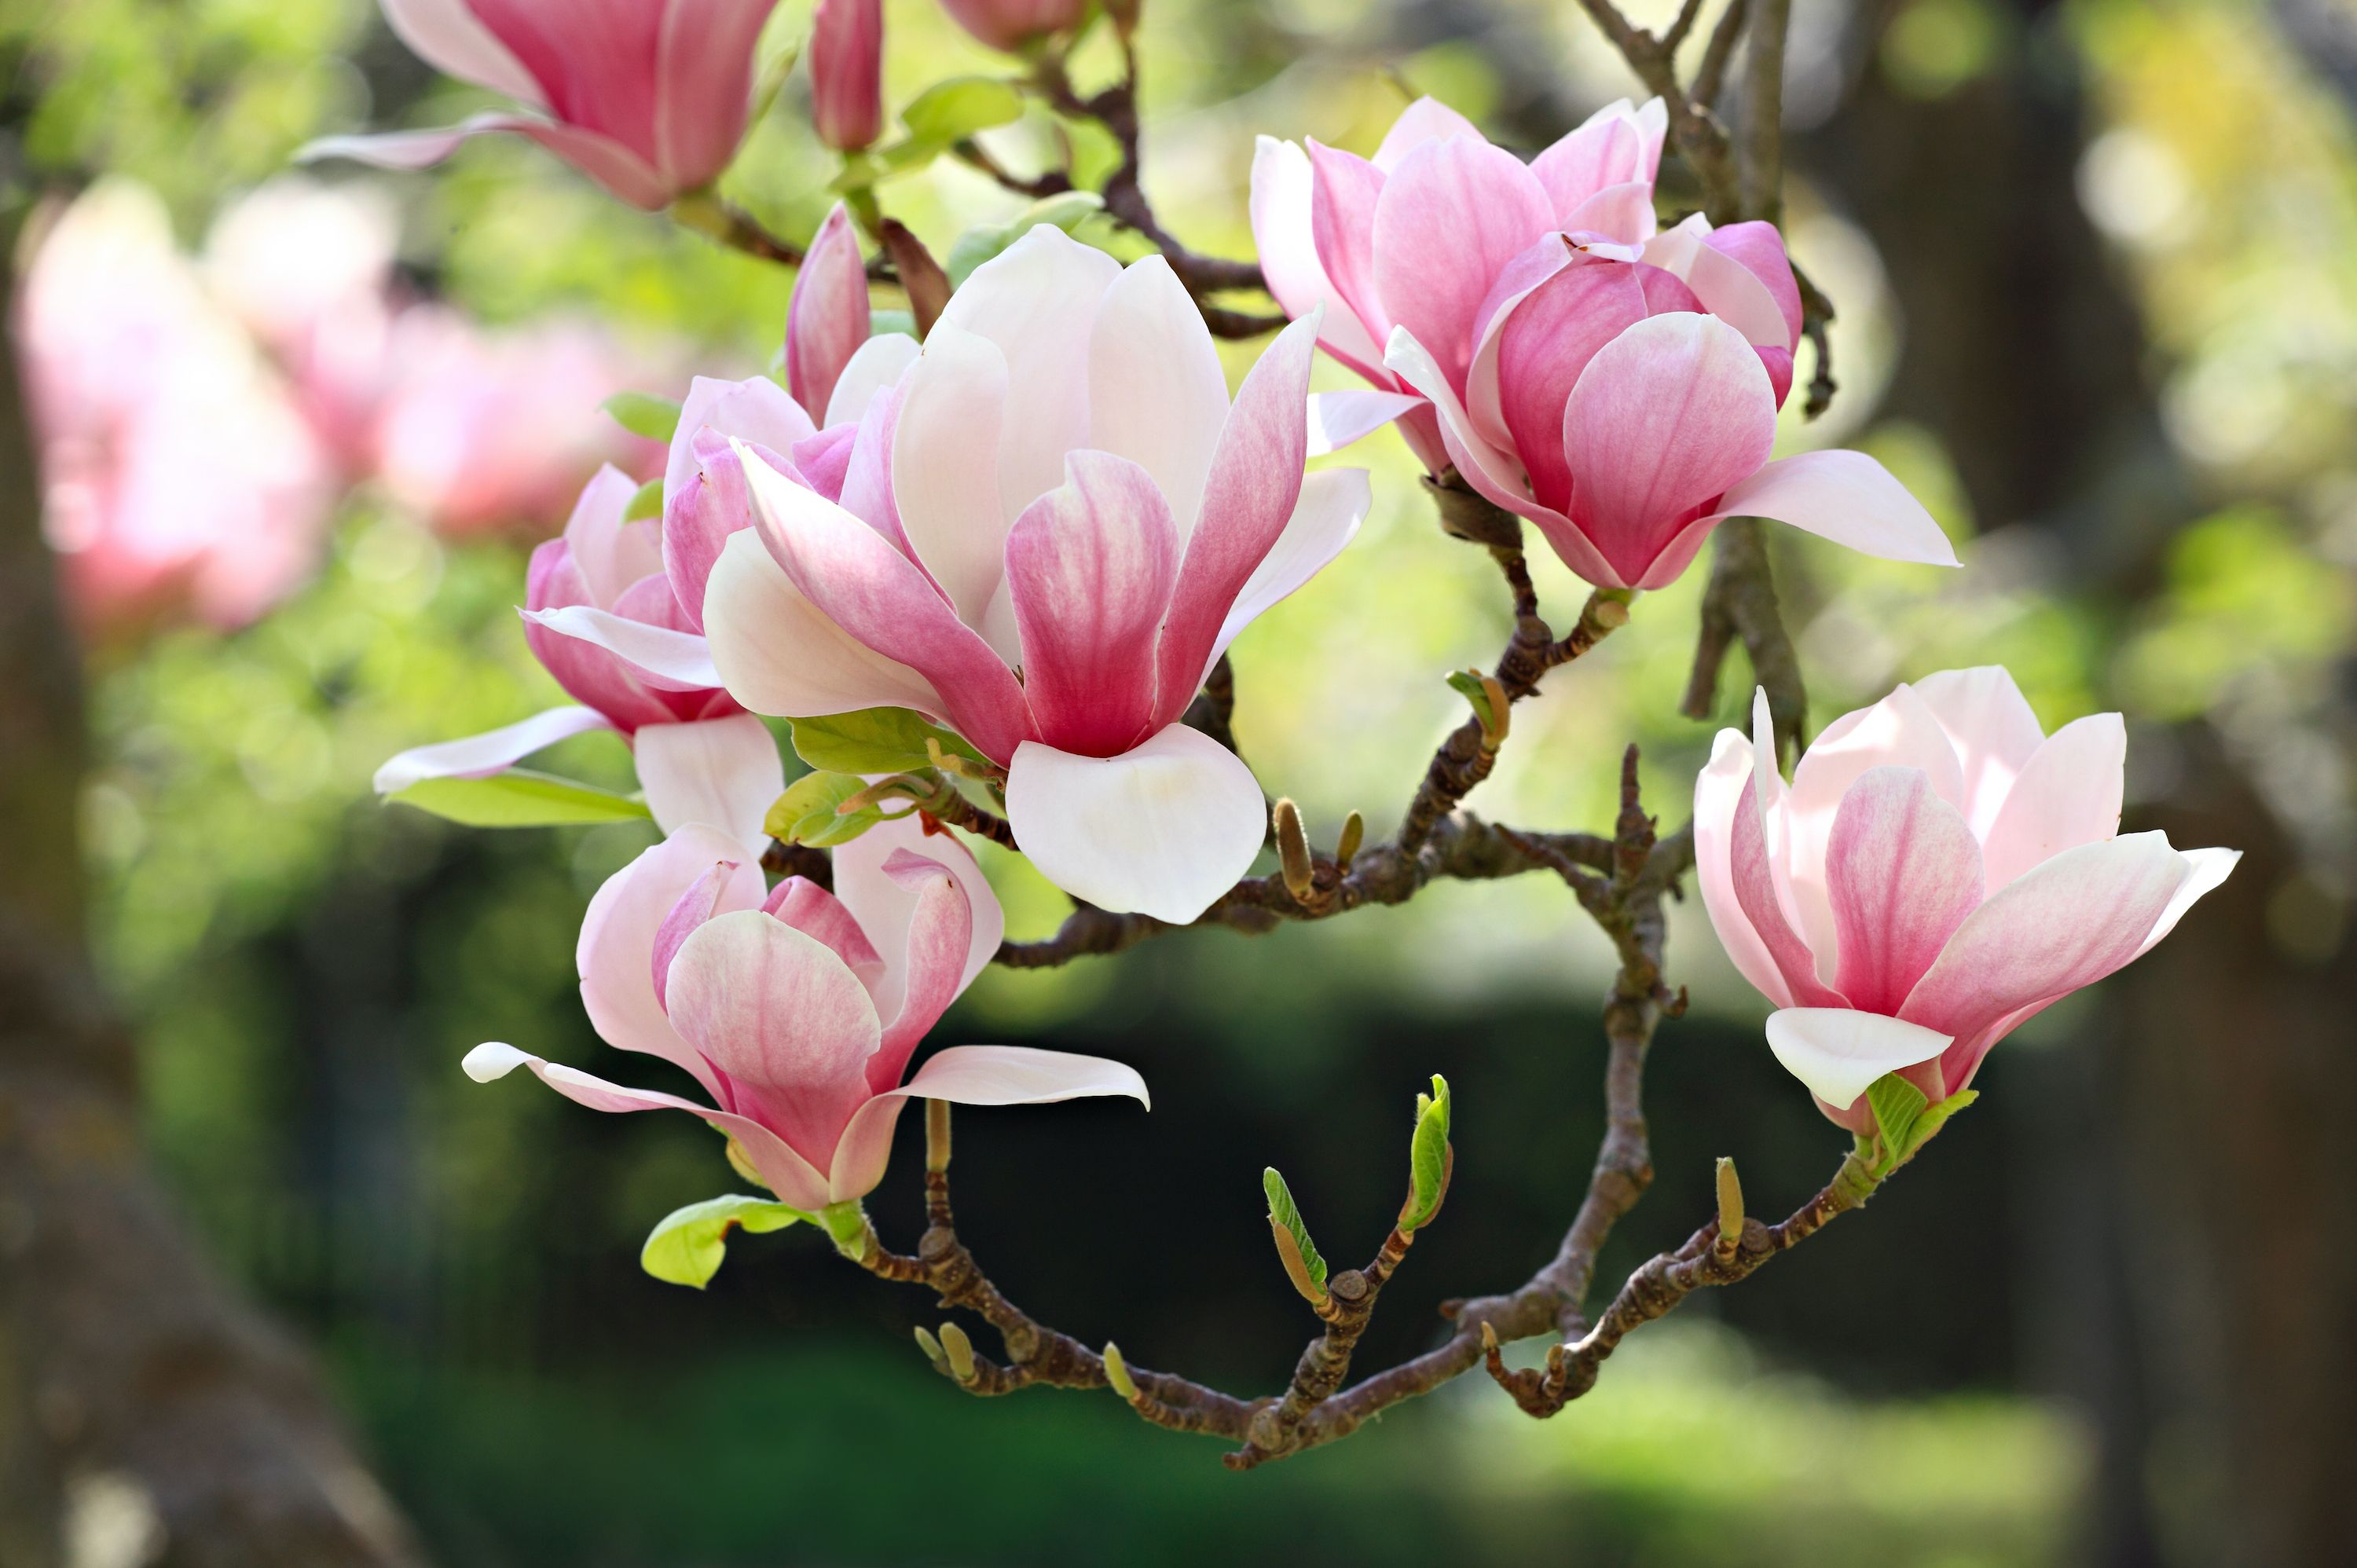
[{"x": 1739, "y": 605}]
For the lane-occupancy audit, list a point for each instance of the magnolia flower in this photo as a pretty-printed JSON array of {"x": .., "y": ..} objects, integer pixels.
[
  {"x": 846, "y": 62},
  {"x": 1616, "y": 386},
  {"x": 1057, "y": 486},
  {"x": 1010, "y": 25},
  {"x": 647, "y": 97},
  {"x": 1938, "y": 871},
  {"x": 176, "y": 471},
  {"x": 797, "y": 1011}
]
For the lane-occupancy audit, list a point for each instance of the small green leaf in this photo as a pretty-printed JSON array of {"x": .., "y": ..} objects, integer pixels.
[
  {"x": 644, "y": 413},
  {"x": 1468, "y": 684},
  {"x": 1066, "y": 211},
  {"x": 882, "y": 322},
  {"x": 874, "y": 740},
  {"x": 960, "y": 106},
  {"x": 686, "y": 1247},
  {"x": 519, "y": 797},
  {"x": 806, "y": 812},
  {"x": 1897, "y": 1105},
  {"x": 1935, "y": 1118},
  {"x": 645, "y": 501},
  {"x": 1285, "y": 1219},
  {"x": 1427, "y": 1157}
]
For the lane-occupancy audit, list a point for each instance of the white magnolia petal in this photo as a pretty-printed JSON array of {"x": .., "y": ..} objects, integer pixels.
[
  {"x": 1847, "y": 497},
  {"x": 723, "y": 773},
  {"x": 1019, "y": 1075},
  {"x": 778, "y": 653},
  {"x": 875, "y": 364},
  {"x": 1839, "y": 1052},
  {"x": 493, "y": 751},
  {"x": 1162, "y": 830},
  {"x": 1156, "y": 394},
  {"x": 1334, "y": 503},
  {"x": 2209, "y": 867},
  {"x": 665, "y": 658},
  {"x": 1339, "y": 418}
]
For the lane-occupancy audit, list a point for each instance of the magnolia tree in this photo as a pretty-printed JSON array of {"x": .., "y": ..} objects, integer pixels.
[{"x": 987, "y": 557}]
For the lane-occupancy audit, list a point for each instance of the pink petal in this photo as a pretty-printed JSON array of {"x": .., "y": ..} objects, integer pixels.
[
  {"x": 945, "y": 473},
  {"x": 865, "y": 1149},
  {"x": 2053, "y": 930},
  {"x": 1162, "y": 830},
  {"x": 1618, "y": 212},
  {"x": 822, "y": 461},
  {"x": 1544, "y": 343},
  {"x": 1333, "y": 502},
  {"x": 1423, "y": 121},
  {"x": 1898, "y": 732},
  {"x": 1901, "y": 871},
  {"x": 705, "y": 499},
  {"x": 1845, "y": 497},
  {"x": 1449, "y": 220},
  {"x": 1156, "y": 394},
  {"x": 783, "y": 1171},
  {"x": 494, "y": 751},
  {"x": 1090, "y": 566},
  {"x": 1663, "y": 419},
  {"x": 2067, "y": 794},
  {"x": 885, "y": 903},
  {"x": 1256, "y": 480},
  {"x": 784, "y": 1018},
  {"x": 821, "y": 916},
  {"x": 587, "y": 671},
  {"x": 704, "y": 85},
  {"x": 1759, "y": 249},
  {"x": 611, "y": 554},
  {"x": 1753, "y": 875},
  {"x": 615, "y": 955},
  {"x": 698, "y": 904},
  {"x": 846, "y": 72},
  {"x": 657, "y": 655},
  {"x": 779, "y": 654},
  {"x": 1343, "y": 196},
  {"x": 1337, "y": 419},
  {"x": 828, "y": 318},
  {"x": 723, "y": 773},
  {"x": 1718, "y": 795},
  {"x": 1839, "y": 1052},
  {"x": 449, "y": 37},
  {"x": 2206, "y": 868},
  {"x": 932, "y": 960},
  {"x": 854, "y": 577},
  {"x": 1602, "y": 153},
  {"x": 1992, "y": 731},
  {"x": 1018, "y": 1075},
  {"x": 1282, "y": 192}
]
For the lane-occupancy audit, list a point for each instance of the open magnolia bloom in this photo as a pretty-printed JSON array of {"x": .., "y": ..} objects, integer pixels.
[
  {"x": 797, "y": 1010},
  {"x": 649, "y": 97},
  {"x": 1938, "y": 871},
  {"x": 1530, "y": 329},
  {"x": 1056, "y": 486}
]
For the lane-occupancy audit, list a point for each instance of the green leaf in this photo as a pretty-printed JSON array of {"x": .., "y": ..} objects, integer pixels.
[
  {"x": 806, "y": 812},
  {"x": 1932, "y": 1120},
  {"x": 1467, "y": 684},
  {"x": 1897, "y": 1105},
  {"x": 1427, "y": 1157},
  {"x": 519, "y": 797},
  {"x": 1066, "y": 209},
  {"x": 645, "y": 501},
  {"x": 874, "y": 740},
  {"x": 1283, "y": 1215},
  {"x": 644, "y": 413},
  {"x": 881, "y": 323},
  {"x": 685, "y": 1248},
  {"x": 960, "y": 106}
]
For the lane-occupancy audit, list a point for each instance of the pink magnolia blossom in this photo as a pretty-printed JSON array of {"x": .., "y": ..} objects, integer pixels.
[
  {"x": 1058, "y": 486},
  {"x": 1938, "y": 871},
  {"x": 1010, "y": 25},
  {"x": 797, "y": 1010},
  {"x": 1530, "y": 327},
  {"x": 176, "y": 472},
  {"x": 647, "y": 97},
  {"x": 846, "y": 62}
]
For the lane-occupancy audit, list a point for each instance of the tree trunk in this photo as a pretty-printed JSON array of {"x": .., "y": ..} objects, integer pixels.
[{"x": 146, "y": 1415}]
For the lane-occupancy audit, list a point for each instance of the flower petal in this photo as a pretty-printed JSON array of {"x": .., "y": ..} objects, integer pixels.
[
  {"x": 2067, "y": 794},
  {"x": 853, "y": 575},
  {"x": 827, "y": 317},
  {"x": 1753, "y": 872},
  {"x": 1845, "y": 497},
  {"x": 664, "y": 658},
  {"x": 1255, "y": 482},
  {"x": 1339, "y": 418},
  {"x": 827, "y": 919},
  {"x": 1343, "y": 196},
  {"x": 1156, "y": 394},
  {"x": 1663, "y": 419},
  {"x": 1719, "y": 794},
  {"x": 783, "y": 1171},
  {"x": 1602, "y": 153},
  {"x": 1992, "y": 731},
  {"x": 1426, "y": 120},
  {"x": 493, "y": 751},
  {"x": 704, "y": 85},
  {"x": 932, "y": 960},
  {"x": 1090, "y": 567},
  {"x": 1543, "y": 344},
  {"x": 1333, "y": 502},
  {"x": 885, "y": 904},
  {"x": 449, "y": 37},
  {"x": 1450, "y": 217},
  {"x": 1901, "y": 872},
  {"x": 2207, "y": 868},
  {"x": 945, "y": 466},
  {"x": 1839, "y": 1052},
  {"x": 1283, "y": 186},
  {"x": 1162, "y": 830},
  {"x": 779, "y": 654},
  {"x": 721, "y": 772},
  {"x": 1018, "y": 1075},
  {"x": 875, "y": 364}
]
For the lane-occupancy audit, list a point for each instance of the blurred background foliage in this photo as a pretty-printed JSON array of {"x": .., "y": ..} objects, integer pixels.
[{"x": 306, "y": 968}]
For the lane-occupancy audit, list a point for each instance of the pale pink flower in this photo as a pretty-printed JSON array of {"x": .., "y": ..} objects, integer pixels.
[
  {"x": 1010, "y": 25},
  {"x": 846, "y": 63},
  {"x": 1056, "y": 485},
  {"x": 1530, "y": 327},
  {"x": 1938, "y": 871},
  {"x": 797, "y": 1009},
  {"x": 649, "y": 98},
  {"x": 177, "y": 473}
]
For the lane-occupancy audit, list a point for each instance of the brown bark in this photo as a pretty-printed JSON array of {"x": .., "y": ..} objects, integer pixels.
[{"x": 146, "y": 1414}]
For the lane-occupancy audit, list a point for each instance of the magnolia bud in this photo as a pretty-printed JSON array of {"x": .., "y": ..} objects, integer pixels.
[
  {"x": 1009, "y": 25},
  {"x": 846, "y": 56}
]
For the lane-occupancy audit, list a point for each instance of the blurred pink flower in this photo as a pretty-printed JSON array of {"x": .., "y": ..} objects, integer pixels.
[
  {"x": 1010, "y": 25},
  {"x": 846, "y": 63},
  {"x": 648, "y": 97},
  {"x": 1938, "y": 871},
  {"x": 177, "y": 473}
]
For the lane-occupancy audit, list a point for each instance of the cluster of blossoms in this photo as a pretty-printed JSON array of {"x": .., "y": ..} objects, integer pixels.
[{"x": 1038, "y": 529}]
